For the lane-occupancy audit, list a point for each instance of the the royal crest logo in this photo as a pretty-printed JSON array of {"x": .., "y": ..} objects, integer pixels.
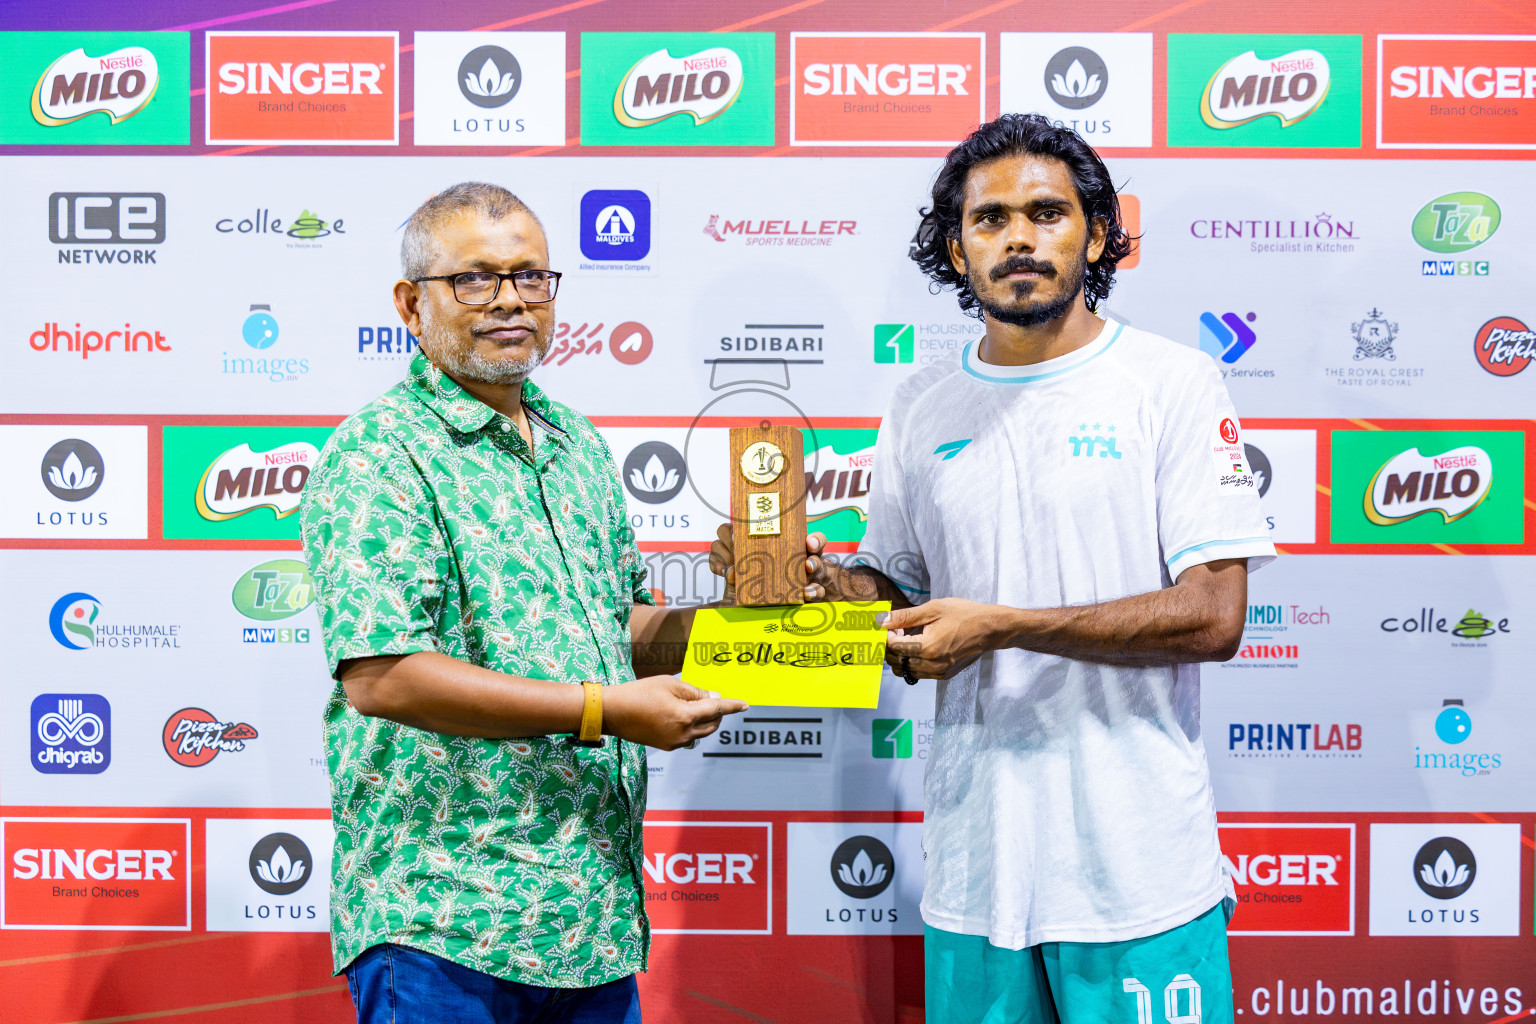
[
  {"x": 241, "y": 480},
  {"x": 1248, "y": 87},
  {"x": 118, "y": 84},
  {"x": 1374, "y": 336},
  {"x": 1413, "y": 484},
  {"x": 702, "y": 85}
]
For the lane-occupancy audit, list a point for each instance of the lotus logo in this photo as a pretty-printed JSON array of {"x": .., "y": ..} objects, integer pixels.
[
  {"x": 489, "y": 76},
  {"x": 1444, "y": 868},
  {"x": 702, "y": 85},
  {"x": 1247, "y": 88},
  {"x": 280, "y": 863},
  {"x": 1076, "y": 77},
  {"x": 862, "y": 867},
  {"x": 1456, "y": 222},
  {"x": 72, "y": 470},
  {"x": 119, "y": 84},
  {"x": 1411, "y": 484},
  {"x": 1258, "y": 462},
  {"x": 655, "y": 472},
  {"x": 72, "y": 621}
]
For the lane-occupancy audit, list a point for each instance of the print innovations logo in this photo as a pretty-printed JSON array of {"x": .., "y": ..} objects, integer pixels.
[{"x": 71, "y": 733}]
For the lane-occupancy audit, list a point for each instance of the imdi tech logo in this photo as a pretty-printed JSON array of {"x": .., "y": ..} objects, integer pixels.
[
  {"x": 84, "y": 874},
  {"x": 1291, "y": 879},
  {"x": 709, "y": 877},
  {"x": 885, "y": 88},
  {"x": 302, "y": 88},
  {"x": 1455, "y": 92}
]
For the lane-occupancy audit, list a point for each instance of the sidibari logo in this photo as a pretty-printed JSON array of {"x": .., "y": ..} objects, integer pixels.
[
  {"x": 71, "y": 733},
  {"x": 1456, "y": 222},
  {"x": 119, "y": 84},
  {"x": 193, "y": 737},
  {"x": 1412, "y": 484},
  {"x": 273, "y": 590},
  {"x": 702, "y": 85},
  {"x": 1247, "y": 87},
  {"x": 862, "y": 867},
  {"x": 1504, "y": 346},
  {"x": 241, "y": 480}
]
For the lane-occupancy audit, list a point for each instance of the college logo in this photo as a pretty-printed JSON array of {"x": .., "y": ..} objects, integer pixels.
[
  {"x": 885, "y": 88},
  {"x": 273, "y": 590},
  {"x": 654, "y": 472},
  {"x": 1455, "y": 92},
  {"x": 615, "y": 225},
  {"x": 1258, "y": 90},
  {"x": 85, "y": 874},
  {"x": 862, "y": 867},
  {"x": 137, "y": 82},
  {"x": 302, "y": 88},
  {"x": 1428, "y": 487},
  {"x": 1227, "y": 338},
  {"x": 105, "y": 219},
  {"x": 73, "y": 470},
  {"x": 193, "y": 737},
  {"x": 709, "y": 877},
  {"x": 677, "y": 89},
  {"x": 1291, "y": 879},
  {"x": 241, "y": 480},
  {"x": 1445, "y": 879},
  {"x": 280, "y": 864},
  {"x": 489, "y": 88},
  {"x": 1099, "y": 84},
  {"x": 1456, "y": 222},
  {"x": 71, "y": 733},
  {"x": 307, "y": 227},
  {"x": 1504, "y": 346}
]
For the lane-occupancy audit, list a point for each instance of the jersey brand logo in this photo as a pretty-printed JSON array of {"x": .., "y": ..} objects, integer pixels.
[
  {"x": 949, "y": 449},
  {"x": 1085, "y": 445}
]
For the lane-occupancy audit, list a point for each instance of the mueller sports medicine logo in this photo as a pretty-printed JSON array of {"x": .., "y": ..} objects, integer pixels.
[
  {"x": 702, "y": 85},
  {"x": 121, "y": 874},
  {"x": 192, "y": 737},
  {"x": 789, "y": 231},
  {"x": 1247, "y": 87},
  {"x": 241, "y": 480},
  {"x": 1504, "y": 346},
  {"x": 709, "y": 877},
  {"x": 1455, "y": 92},
  {"x": 95, "y": 225},
  {"x": 1410, "y": 484},
  {"x": 71, "y": 733},
  {"x": 884, "y": 89},
  {"x": 1291, "y": 879},
  {"x": 297, "y": 88},
  {"x": 118, "y": 84}
]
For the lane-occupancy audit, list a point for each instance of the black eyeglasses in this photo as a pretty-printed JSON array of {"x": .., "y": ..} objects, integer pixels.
[{"x": 480, "y": 287}]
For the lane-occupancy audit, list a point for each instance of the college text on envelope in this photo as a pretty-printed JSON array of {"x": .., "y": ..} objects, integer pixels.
[{"x": 822, "y": 655}]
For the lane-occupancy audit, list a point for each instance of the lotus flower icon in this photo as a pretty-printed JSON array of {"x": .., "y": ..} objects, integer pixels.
[
  {"x": 72, "y": 474},
  {"x": 1077, "y": 83},
  {"x": 653, "y": 477},
  {"x": 861, "y": 872},
  {"x": 488, "y": 76},
  {"x": 490, "y": 81},
  {"x": 280, "y": 868},
  {"x": 1445, "y": 873}
]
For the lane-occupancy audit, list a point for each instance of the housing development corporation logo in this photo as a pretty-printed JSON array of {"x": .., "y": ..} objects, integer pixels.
[
  {"x": 677, "y": 89},
  {"x": 885, "y": 88},
  {"x": 71, "y": 733},
  {"x": 1455, "y": 92},
  {"x": 302, "y": 88},
  {"x": 1504, "y": 346},
  {"x": 1264, "y": 90},
  {"x": 192, "y": 737},
  {"x": 94, "y": 88}
]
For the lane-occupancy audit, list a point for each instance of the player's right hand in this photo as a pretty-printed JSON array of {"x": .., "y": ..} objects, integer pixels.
[
  {"x": 663, "y": 711},
  {"x": 722, "y": 562}
]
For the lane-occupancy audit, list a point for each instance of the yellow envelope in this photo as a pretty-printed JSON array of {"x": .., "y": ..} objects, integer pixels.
[{"x": 823, "y": 655}]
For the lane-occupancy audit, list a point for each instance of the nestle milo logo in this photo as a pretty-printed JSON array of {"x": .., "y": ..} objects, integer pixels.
[
  {"x": 1456, "y": 222},
  {"x": 273, "y": 590}
]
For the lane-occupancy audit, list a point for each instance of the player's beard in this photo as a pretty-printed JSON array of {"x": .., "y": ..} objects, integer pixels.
[
  {"x": 462, "y": 358},
  {"x": 1022, "y": 313}
]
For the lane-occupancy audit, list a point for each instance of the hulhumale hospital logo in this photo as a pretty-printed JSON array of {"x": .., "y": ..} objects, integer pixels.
[
  {"x": 75, "y": 620},
  {"x": 72, "y": 620}
]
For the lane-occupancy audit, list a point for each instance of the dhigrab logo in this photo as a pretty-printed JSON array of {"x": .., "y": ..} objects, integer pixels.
[{"x": 71, "y": 733}]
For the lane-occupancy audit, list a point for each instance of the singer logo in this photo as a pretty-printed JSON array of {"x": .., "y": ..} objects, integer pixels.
[
  {"x": 1412, "y": 484},
  {"x": 885, "y": 89},
  {"x": 241, "y": 480},
  {"x": 298, "y": 88},
  {"x": 709, "y": 877},
  {"x": 1455, "y": 92},
  {"x": 96, "y": 874},
  {"x": 1291, "y": 879}
]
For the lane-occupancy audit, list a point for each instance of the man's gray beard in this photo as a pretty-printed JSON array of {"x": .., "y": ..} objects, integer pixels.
[{"x": 461, "y": 360}]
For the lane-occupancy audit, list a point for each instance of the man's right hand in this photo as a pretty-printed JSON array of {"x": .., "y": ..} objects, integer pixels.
[
  {"x": 819, "y": 572},
  {"x": 663, "y": 711}
]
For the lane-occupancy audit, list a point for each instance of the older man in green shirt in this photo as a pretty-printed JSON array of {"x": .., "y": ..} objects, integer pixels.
[{"x": 484, "y": 615}]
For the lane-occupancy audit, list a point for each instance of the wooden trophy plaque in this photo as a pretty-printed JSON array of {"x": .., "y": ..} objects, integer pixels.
[{"x": 768, "y": 514}]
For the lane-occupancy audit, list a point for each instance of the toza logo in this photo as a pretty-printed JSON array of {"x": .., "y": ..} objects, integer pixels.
[
  {"x": 280, "y": 864},
  {"x": 702, "y": 85},
  {"x": 1412, "y": 484},
  {"x": 1456, "y": 222},
  {"x": 1076, "y": 77},
  {"x": 1444, "y": 868},
  {"x": 119, "y": 85},
  {"x": 1247, "y": 88},
  {"x": 1374, "y": 336},
  {"x": 71, "y": 733},
  {"x": 489, "y": 76},
  {"x": 241, "y": 480},
  {"x": 273, "y": 590},
  {"x": 862, "y": 867}
]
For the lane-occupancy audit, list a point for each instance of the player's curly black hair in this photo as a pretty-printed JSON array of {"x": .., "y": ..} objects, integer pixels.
[{"x": 1012, "y": 134}]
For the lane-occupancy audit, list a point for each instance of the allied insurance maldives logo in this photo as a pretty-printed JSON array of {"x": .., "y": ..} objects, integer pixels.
[
  {"x": 1264, "y": 90},
  {"x": 96, "y": 88},
  {"x": 677, "y": 89},
  {"x": 303, "y": 88},
  {"x": 1428, "y": 486},
  {"x": 1455, "y": 92}
]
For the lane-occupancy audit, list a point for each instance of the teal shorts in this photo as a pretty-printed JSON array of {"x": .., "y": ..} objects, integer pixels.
[{"x": 1180, "y": 976}]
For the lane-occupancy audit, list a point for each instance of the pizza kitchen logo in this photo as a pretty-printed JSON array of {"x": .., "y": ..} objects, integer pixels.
[
  {"x": 1410, "y": 484},
  {"x": 1504, "y": 346},
  {"x": 193, "y": 737},
  {"x": 241, "y": 480},
  {"x": 1247, "y": 87}
]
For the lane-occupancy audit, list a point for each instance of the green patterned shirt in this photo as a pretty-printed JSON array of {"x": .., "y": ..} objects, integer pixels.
[{"x": 430, "y": 525}]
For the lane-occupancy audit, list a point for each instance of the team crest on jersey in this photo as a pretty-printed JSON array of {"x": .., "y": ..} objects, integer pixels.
[{"x": 1233, "y": 474}]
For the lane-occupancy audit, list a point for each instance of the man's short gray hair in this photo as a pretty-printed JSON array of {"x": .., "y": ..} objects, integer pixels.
[{"x": 418, "y": 248}]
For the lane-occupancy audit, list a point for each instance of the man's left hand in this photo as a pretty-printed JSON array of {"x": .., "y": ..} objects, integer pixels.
[{"x": 953, "y": 633}]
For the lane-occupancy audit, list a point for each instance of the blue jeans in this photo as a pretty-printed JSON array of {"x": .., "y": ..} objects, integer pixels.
[{"x": 399, "y": 985}]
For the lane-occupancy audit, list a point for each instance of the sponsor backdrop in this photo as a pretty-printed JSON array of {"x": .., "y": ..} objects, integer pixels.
[{"x": 203, "y": 204}]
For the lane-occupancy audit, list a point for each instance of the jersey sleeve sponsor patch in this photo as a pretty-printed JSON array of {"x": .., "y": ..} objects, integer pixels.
[{"x": 1233, "y": 474}]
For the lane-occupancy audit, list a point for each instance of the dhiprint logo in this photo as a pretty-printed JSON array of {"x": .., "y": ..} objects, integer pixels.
[
  {"x": 489, "y": 76},
  {"x": 1504, "y": 346},
  {"x": 119, "y": 84},
  {"x": 1227, "y": 338},
  {"x": 615, "y": 225},
  {"x": 1076, "y": 77},
  {"x": 71, "y": 733},
  {"x": 1444, "y": 868},
  {"x": 654, "y": 472},
  {"x": 1374, "y": 336},
  {"x": 193, "y": 737},
  {"x": 862, "y": 867},
  {"x": 73, "y": 470},
  {"x": 71, "y": 621},
  {"x": 1453, "y": 483},
  {"x": 281, "y": 864},
  {"x": 1456, "y": 222},
  {"x": 1245, "y": 88},
  {"x": 241, "y": 480}
]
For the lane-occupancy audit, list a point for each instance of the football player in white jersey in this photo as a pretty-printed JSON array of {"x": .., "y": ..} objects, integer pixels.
[{"x": 1063, "y": 519}]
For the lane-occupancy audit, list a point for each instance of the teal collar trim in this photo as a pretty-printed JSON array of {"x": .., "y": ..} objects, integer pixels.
[{"x": 1036, "y": 373}]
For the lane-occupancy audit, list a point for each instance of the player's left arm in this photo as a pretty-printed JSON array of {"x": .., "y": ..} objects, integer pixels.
[{"x": 1199, "y": 618}]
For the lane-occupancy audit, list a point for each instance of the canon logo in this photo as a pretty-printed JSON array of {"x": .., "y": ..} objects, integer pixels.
[
  {"x": 102, "y": 865},
  {"x": 1478, "y": 83},
  {"x": 330, "y": 78},
  {"x": 885, "y": 80},
  {"x": 1283, "y": 869},
  {"x": 703, "y": 868}
]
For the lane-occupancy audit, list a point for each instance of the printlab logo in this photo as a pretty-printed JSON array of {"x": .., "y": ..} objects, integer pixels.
[
  {"x": 193, "y": 737},
  {"x": 1504, "y": 346},
  {"x": 655, "y": 472},
  {"x": 1374, "y": 336},
  {"x": 1258, "y": 462},
  {"x": 103, "y": 220},
  {"x": 73, "y": 470},
  {"x": 71, "y": 733},
  {"x": 489, "y": 76},
  {"x": 281, "y": 864},
  {"x": 1227, "y": 338},
  {"x": 615, "y": 225},
  {"x": 891, "y": 738},
  {"x": 862, "y": 867},
  {"x": 1076, "y": 77},
  {"x": 1444, "y": 868},
  {"x": 72, "y": 621}
]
